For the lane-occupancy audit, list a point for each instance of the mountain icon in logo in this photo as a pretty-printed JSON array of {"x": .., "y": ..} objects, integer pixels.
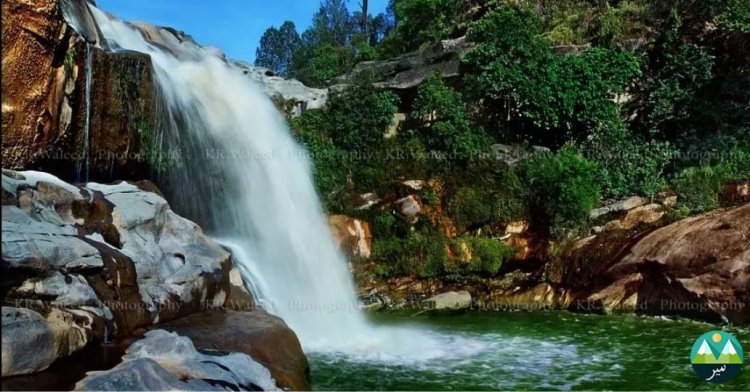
[{"x": 717, "y": 357}]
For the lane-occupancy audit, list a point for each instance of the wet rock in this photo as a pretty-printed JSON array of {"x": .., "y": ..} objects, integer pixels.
[
  {"x": 166, "y": 359},
  {"x": 32, "y": 342},
  {"x": 265, "y": 338}
]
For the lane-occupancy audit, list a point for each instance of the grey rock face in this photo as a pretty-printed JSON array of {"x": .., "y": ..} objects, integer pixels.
[{"x": 162, "y": 359}]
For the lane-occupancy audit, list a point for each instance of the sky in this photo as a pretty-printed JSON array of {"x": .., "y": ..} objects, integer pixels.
[{"x": 234, "y": 26}]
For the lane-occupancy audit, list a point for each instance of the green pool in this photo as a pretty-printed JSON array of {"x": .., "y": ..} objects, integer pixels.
[{"x": 531, "y": 350}]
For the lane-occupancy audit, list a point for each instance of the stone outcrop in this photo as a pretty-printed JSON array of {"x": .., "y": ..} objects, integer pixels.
[
  {"x": 351, "y": 235},
  {"x": 31, "y": 342},
  {"x": 409, "y": 70},
  {"x": 167, "y": 361},
  {"x": 697, "y": 268},
  {"x": 450, "y": 301},
  {"x": 53, "y": 53},
  {"x": 266, "y": 338},
  {"x": 98, "y": 259}
]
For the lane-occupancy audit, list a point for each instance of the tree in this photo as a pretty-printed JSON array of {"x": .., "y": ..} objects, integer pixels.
[
  {"x": 277, "y": 49},
  {"x": 332, "y": 24}
]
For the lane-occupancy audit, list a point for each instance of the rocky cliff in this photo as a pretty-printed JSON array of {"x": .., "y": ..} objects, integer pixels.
[
  {"x": 72, "y": 106},
  {"x": 82, "y": 265}
]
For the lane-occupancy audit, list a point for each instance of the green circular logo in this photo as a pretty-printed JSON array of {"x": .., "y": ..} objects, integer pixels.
[{"x": 717, "y": 357}]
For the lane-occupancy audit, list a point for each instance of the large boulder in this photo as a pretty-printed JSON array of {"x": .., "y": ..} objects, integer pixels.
[
  {"x": 115, "y": 257},
  {"x": 450, "y": 301},
  {"x": 167, "y": 361},
  {"x": 698, "y": 267},
  {"x": 266, "y": 338},
  {"x": 31, "y": 342}
]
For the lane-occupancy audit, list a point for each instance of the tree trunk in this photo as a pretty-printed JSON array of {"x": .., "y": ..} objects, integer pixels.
[{"x": 365, "y": 25}]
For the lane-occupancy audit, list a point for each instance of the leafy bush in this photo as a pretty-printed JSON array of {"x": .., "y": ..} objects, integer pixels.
[
  {"x": 510, "y": 199},
  {"x": 626, "y": 165},
  {"x": 519, "y": 81},
  {"x": 470, "y": 207},
  {"x": 564, "y": 190},
  {"x": 419, "y": 22},
  {"x": 698, "y": 187},
  {"x": 422, "y": 254},
  {"x": 430, "y": 197},
  {"x": 489, "y": 255},
  {"x": 440, "y": 110},
  {"x": 359, "y": 116}
]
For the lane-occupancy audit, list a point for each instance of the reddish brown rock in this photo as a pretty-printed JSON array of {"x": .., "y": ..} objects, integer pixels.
[
  {"x": 266, "y": 338},
  {"x": 351, "y": 235}
]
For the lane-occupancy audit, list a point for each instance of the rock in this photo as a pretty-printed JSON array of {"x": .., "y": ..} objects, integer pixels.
[
  {"x": 32, "y": 342},
  {"x": 139, "y": 375},
  {"x": 450, "y": 301},
  {"x": 394, "y": 126},
  {"x": 410, "y": 207},
  {"x": 409, "y": 70},
  {"x": 238, "y": 298},
  {"x": 735, "y": 193},
  {"x": 698, "y": 267},
  {"x": 646, "y": 214},
  {"x": 367, "y": 200},
  {"x": 116, "y": 248},
  {"x": 351, "y": 235},
  {"x": 517, "y": 227},
  {"x": 33, "y": 79},
  {"x": 415, "y": 185},
  {"x": 45, "y": 49},
  {"x": 265, "y": 338},
  {"x": 624, "y": 205},
  {"x": 167, "y": 359},
  {"x": 292, "y": 91}
]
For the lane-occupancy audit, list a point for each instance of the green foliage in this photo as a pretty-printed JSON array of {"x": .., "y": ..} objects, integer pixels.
[
  {"x": 518, "y": 79},
  {"x": 698, "y": 188},
  {"x": 316, "y": 65},
  {"x": 488, "y": 255},
  {"x": 445, "y": 128},
  {"x": 329, "y": 162},
  {"x": 736, "y": 16},
  {"x": 430, "y": 197},
  {"x": 470, "y": 207},
  {"x": 277, "y": 49},
  {"x": 360, "y": 115},
  {"x": 510, "y": 199},
  {"x": 419, "y": 253},
  {"x": 676, "y": 85},
  {"x": 150, "y": 148},
  {"x": 626, "y": 165},
  {"x": 564, "y": 190},
  {"x": 420, "y": 22}
]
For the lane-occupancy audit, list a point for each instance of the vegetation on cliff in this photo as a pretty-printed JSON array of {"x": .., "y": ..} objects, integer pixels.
[{"x": 623, "y": 97}]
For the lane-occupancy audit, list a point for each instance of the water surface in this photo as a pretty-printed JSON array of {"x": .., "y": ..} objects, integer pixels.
[{"x": 534, "y": 350}]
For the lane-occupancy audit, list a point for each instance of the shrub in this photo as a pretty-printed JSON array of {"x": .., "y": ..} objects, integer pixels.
[
  {"x": 430, "y": 197},
  {"x": 359, "y": 116},
  {"x": 698, "y": 187},
  {"x": 563, "y": 188},
  {"x": 510, "y": 199},
  {"x": 470, "y": 207},
  {"x": 445, "y": 128},
  {"x": 489, "y": 255},
  {"x": 626, "y": 165}
]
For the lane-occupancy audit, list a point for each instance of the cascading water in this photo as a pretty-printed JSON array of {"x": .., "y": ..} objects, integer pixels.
[
  {"x": 82, "y": 169},
  {"x": 239, "y": 172}
]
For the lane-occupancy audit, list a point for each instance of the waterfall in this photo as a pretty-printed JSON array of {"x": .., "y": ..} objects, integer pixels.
[
  {"x": 83, "y": 165},
  {"x": 237, "y": 170}
]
